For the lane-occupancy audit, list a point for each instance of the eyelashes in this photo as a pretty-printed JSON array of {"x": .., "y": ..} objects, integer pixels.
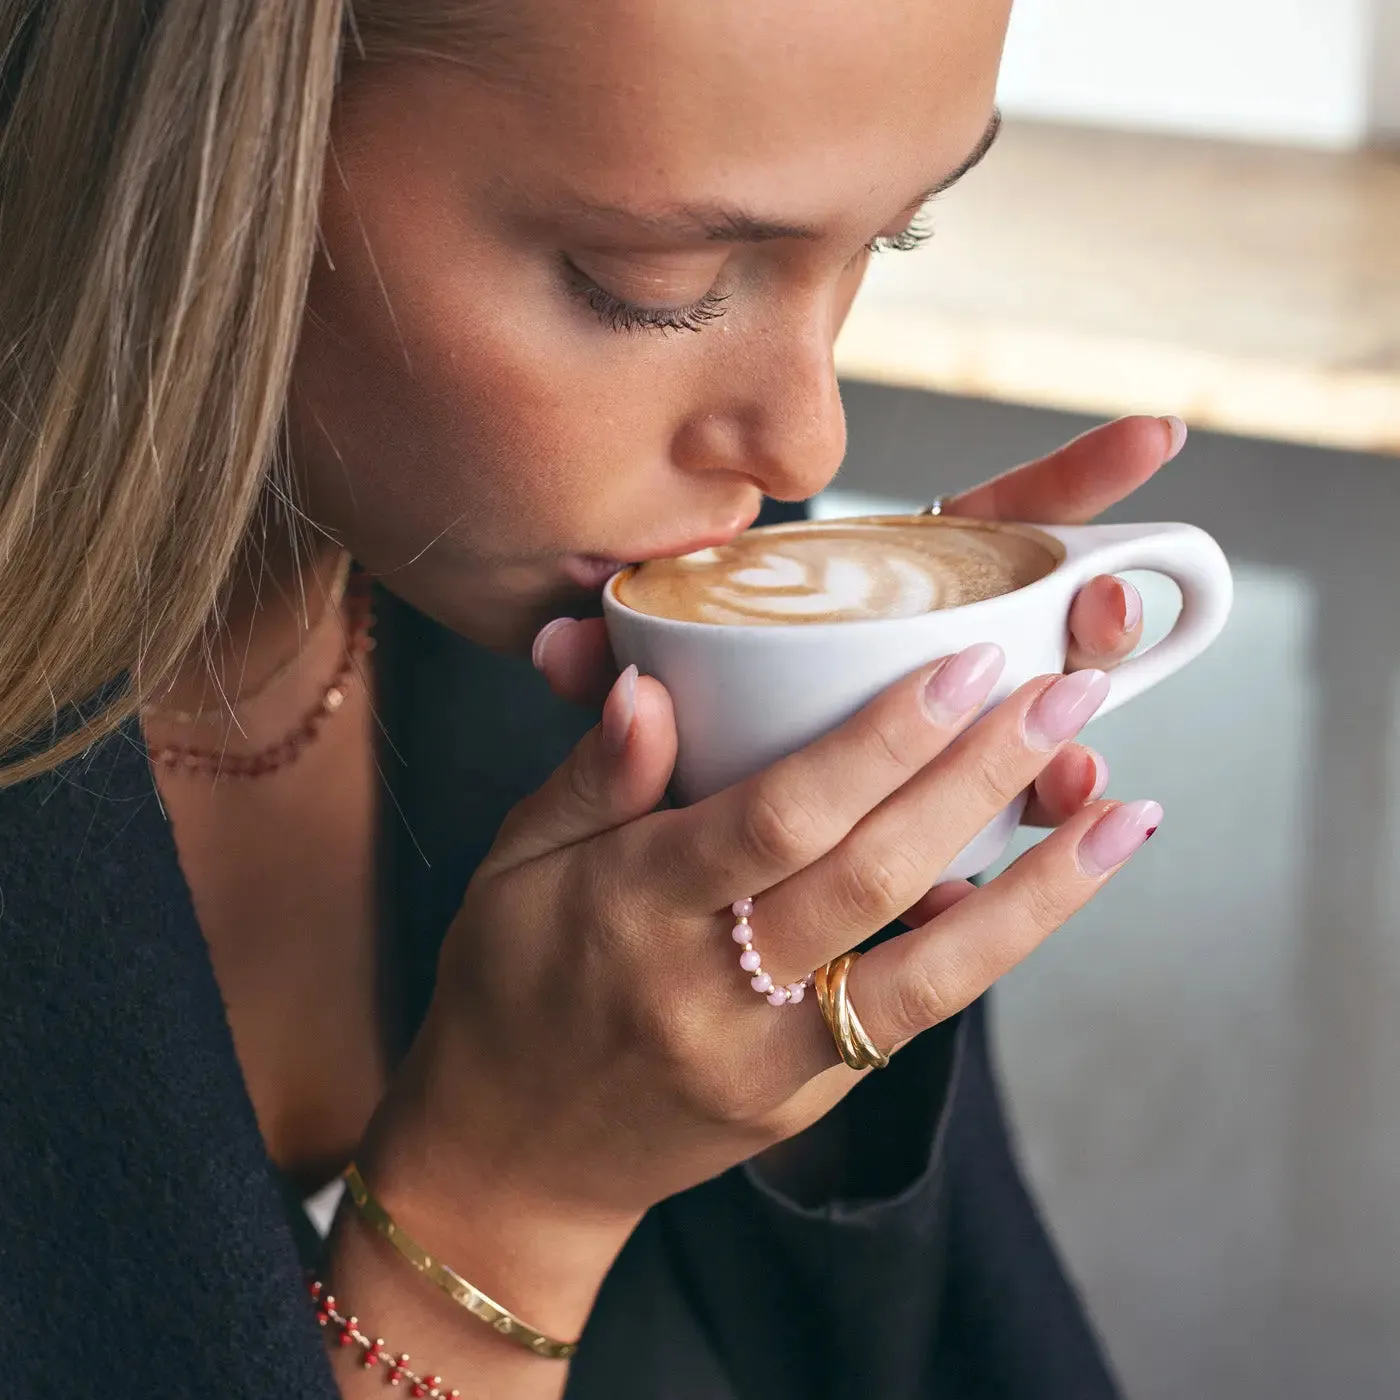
[
  {"x": 626, "y": 317},
  {"x": 918, "y": 233}
]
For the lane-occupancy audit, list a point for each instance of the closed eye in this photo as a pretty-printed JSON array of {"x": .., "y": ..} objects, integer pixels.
[{"x": 619, "y": 314}]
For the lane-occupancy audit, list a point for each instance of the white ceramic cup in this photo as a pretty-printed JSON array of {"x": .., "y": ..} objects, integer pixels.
[{"x": 747, "y": 696}]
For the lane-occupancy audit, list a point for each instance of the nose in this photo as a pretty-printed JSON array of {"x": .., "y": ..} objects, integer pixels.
[{"x": 780, "y": 422}]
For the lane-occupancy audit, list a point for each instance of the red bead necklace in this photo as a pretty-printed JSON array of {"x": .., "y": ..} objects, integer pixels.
[{"x": 216, "y": 763}]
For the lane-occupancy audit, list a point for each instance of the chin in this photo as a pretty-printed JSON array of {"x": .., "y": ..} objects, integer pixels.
[{"x": 498, "y": 606}]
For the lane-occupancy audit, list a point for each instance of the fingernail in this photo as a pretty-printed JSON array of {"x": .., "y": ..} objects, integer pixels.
[
  {"x": 963, "y": 682},
  {"x": 1064, "y": 709},
  {"x": 619, "y": 710},
  {"x": 1178, "y": 430},
  {"x": 1101, "y": 775},
  {"x": 1115, "y": 837},
  {"x": 1132, "y": 605},
  {"x": 542, "y": 639}
]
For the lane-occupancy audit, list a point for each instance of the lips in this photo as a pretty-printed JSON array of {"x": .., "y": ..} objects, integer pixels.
[{"x": 589, "y": 571}]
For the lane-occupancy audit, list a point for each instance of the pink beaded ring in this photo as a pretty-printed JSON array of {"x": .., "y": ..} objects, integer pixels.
[{"x": 752, "y": 962}]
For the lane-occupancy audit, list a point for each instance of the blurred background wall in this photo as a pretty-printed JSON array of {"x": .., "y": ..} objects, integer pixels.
[
  {"x": 1287, "y": 70},
  {"x": 1194, "y": 212}
]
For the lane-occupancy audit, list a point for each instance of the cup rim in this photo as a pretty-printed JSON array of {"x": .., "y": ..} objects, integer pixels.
[{"x": 613, "y": 604}]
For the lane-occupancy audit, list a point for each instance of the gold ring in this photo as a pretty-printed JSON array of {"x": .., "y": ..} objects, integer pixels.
[{"x": 853, "y": 1042}]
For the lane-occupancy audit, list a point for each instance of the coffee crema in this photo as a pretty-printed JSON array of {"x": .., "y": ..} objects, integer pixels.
[{"x": 859, "y": 570}]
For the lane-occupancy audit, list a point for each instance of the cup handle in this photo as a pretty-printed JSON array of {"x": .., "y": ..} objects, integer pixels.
[{"x": 1186, "y": 555}]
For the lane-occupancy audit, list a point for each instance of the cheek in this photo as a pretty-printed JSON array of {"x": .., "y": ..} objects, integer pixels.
[
  {"x": 425, "y": 432},
  {"x": 467, "y": 405}
]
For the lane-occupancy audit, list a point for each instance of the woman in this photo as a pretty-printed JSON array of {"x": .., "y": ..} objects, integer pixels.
[{"x": 487, "y": 295}]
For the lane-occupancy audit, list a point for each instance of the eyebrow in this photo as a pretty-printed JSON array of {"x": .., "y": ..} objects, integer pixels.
[{"x": 721, "y": 224}]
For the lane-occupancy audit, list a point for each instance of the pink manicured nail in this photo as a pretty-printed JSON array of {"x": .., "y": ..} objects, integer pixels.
[
  {"x": 1064, "y": 709},
  {"x": 1114, "y": 838},
  {"x": 542, "y": 639},
  {"x": 963, "y": 682},
  {"x": 1101, "y": 775},
  {"x": 1132, "y": 605},
  {"x": 1178, "y": 431},
  {"x": 619, "y": 710}
]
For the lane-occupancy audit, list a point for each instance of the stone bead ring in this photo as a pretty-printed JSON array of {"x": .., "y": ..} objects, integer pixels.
[{"x": 752, "y": 962}]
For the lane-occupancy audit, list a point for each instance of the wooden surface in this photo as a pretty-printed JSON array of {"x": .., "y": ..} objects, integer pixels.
[{"x": 1253, "y": 290}]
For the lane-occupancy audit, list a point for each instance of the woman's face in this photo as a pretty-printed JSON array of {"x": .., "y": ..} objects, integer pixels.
[{"x": 581, "y": 309}]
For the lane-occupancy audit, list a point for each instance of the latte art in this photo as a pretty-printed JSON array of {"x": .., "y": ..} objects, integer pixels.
[{"x": 840, "y": 571}]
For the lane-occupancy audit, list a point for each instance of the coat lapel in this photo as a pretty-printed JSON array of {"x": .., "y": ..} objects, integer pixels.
[{"x": 139, "y": 1216}]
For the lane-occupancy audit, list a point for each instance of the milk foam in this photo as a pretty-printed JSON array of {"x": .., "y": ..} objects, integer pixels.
[{"x": 838, "y": 571}]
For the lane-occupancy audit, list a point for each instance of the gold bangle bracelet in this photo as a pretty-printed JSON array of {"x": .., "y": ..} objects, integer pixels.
[{"x": 485, "y": 1309}]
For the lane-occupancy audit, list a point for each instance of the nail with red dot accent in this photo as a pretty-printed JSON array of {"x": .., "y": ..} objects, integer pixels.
[{"x": 1113, "y": 839}]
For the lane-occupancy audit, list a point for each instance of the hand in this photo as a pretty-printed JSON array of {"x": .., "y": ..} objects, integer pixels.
[
  {"x": 1069, "y": 487},
  {"x": 593, "y": 1047}
]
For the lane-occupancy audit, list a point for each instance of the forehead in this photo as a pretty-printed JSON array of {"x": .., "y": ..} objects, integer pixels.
[{"x": 795, "y": 104}]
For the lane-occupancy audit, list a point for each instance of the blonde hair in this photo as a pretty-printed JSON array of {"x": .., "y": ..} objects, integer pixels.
[{"x": 160, "y": 174}]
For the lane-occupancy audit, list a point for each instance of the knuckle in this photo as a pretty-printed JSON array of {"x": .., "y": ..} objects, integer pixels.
[
  {"x": 871, "y": 887},
  {"x": 1042, "y": 905},
  {"x": 781, "y": 830},
  {"x": 923, "y": 1001},
  {"x": 989, "y": 777},
  {"x": 580, "y": 784},
  {"x": 675, "y": 1028},
  {"x": 727, "y": 1100},
  {"x": 711, "y": 1075},
  {"x": 883, "y": 742},
  {"x": 682, "y": 1033}
]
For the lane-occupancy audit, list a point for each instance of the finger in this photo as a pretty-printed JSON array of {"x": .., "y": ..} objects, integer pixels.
[
  {"x": 575, "y": 658},
  {"x": 1075, "y": 777},
  {"x": 1105, "y": 624},
  {"x": 921, "y": 978},
  {"x": 617, "y": 773},
  {"x": 1082, "y": 479},
  {"x": 901, "y": 849},
  {"x": 753, "y": 835},
  {"x": 937, "y": 901}
]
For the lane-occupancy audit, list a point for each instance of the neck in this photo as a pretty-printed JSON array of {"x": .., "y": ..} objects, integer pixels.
[{"x": 276, "y": 606}]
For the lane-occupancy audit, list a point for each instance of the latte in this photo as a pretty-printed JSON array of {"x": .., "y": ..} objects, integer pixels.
[{"x": 841, "y": 571}]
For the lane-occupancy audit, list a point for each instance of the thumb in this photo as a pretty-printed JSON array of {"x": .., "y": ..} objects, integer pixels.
[{"x": 617, "y": 773}]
